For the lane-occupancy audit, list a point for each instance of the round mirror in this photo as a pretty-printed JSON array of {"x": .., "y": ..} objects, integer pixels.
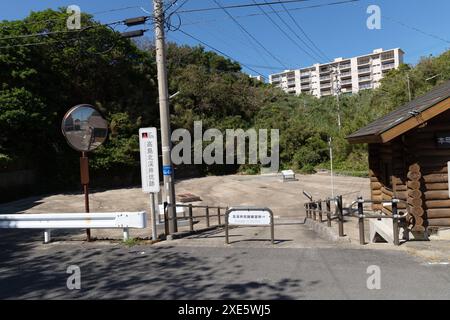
[{"x": 84, "y": 128}]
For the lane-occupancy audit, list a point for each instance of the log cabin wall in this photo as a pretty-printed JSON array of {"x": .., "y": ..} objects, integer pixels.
[
  {"x": 387, "y": 174},
  {"x": 428, "y": 187}
]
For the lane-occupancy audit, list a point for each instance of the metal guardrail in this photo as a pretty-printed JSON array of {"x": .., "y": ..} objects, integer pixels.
[
  {"x": 47, "y": 222},
  {"x": 316, "y": 211}
]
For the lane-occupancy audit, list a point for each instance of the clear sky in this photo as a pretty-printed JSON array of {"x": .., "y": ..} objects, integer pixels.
[{"x": 337, "y": 30}]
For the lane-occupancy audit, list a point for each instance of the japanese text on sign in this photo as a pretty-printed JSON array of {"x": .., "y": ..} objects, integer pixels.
[{"x": 148, "y": 141}]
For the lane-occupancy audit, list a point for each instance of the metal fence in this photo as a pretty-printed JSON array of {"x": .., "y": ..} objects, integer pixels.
[
  {"x": 317, "y": 210},
  {"x": 211, "y": 214}
]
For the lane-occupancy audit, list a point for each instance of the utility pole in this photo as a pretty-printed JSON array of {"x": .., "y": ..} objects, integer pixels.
[
  {"x": 337, "y": 91},
  {"x": 330, "y": 143},
  {"x": 160, "y": 44}
]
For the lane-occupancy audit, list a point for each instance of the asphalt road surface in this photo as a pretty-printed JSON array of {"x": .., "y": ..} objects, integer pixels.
[{"x": 30, "y": 270}]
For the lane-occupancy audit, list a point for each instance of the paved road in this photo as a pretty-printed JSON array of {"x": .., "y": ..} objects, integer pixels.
[{"x": 30, "y": 270}]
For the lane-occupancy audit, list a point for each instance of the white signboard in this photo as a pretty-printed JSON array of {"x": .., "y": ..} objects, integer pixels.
[
  {"x": 148, "y": 141},
  {"x": 250, "y": 218}
]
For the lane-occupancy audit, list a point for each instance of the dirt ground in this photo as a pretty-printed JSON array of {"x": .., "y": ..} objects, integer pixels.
[{"x": 284, "y": 198}]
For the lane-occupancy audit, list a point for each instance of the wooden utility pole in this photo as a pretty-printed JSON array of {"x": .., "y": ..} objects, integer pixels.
[{"x": 160, "y": 44}]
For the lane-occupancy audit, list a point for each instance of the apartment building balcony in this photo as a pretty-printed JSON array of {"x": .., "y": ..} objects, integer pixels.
[
  {"x": 365, "y": 79},
  {"x": 345, "y": 66},
  {"x": 364, "y": 62},
  {"x": 326, "y": 93},
  {"x": 306, "y": 87},
  {"x": 325, "y": 78},
  {"x": 276, "y": 83},
  {"x": 364, "y": 70},
  {"x": 387, "y": 66},
  {"x": 366, "y": 86},
  {"x": 346, "y": 74},
  {"x": 325, "y": 85},
  {"x": 305, "y": 75},
  {"x": 305, "y": 80},
  {"x": 325, "y": 71},
  {"x": 387, "y": 56},
  {"x": 346, "y": 82}
]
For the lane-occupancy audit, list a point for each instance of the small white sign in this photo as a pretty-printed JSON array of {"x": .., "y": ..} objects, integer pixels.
[
  {"x": 148, "y": 141},
  {"x": 251, "y": 218}
]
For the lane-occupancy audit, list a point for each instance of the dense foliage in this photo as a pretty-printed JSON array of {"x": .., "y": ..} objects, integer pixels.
[{"x": 40, "y": 83}]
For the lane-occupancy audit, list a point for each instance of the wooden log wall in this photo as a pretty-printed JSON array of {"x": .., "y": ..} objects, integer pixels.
[
  {"x": 428, "y": 185},
  {"x": 392, "y": 184}
]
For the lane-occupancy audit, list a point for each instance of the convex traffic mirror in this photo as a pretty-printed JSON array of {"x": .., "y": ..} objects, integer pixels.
[{"x": 84, "y": 128}]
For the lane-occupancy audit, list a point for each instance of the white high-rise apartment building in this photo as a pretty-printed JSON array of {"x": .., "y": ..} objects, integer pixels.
[{"x": 344, "y": 76}]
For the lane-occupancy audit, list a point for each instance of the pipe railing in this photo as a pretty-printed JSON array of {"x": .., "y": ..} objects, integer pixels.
[
  {"x": 191, "y": 217},
  {"x": 315, "y": 210}
]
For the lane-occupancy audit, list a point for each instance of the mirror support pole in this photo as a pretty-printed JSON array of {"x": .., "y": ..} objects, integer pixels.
[{"x": 84, "y": 169}]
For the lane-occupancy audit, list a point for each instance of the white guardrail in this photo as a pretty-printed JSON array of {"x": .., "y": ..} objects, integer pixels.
[{"x": 113, "y": 220}]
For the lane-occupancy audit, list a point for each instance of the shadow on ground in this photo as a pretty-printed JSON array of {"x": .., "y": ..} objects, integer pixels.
[{"x": 30, "y": 270}]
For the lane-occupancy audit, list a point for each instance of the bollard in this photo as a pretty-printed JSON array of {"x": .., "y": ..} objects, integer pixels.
[
  {"x": 191, "y": 219},
  {"x": 47, "y": 236},
  {"x": 395, "y": 221},
  {"x": 362, "y": 238},
  {"x": 340, "y": 214},
  {"x": 218, "y": 216},
  {"x": 207, "y": 217},
  {"x": 126, "y": 234},
  {"x": 329, "y": 213},
  {"x": 320, "y": 212}
]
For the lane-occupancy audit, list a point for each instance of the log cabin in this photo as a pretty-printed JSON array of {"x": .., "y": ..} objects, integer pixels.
[{"x": 409, "y": 159}]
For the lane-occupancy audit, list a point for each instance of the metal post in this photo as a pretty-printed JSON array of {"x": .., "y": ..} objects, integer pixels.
[
  {"x": 320, "y": 211},
  {"x": 126, "y": 234},
  {"x": 160, "y": 45},
  {"x": 84, "y": 173},
  {"x": 47, "y": 236},
  {"x": 396, "y": 227},
  {"x": 362, "y": 239},
  {"x": 153, "y": 217},
  {"x": 329, "y": 213},
  {"x": 218, "y": 216},
  {"x": 330, "y": 143},
  {"x": 272, "y": 228},
  {"x": 315, "y": 211},
  {"x": 341, "y": 216},
  {"x": 191, "y": 219},
  {"x": 207, "y": 217},
  {"x": 227, "y": 240}
]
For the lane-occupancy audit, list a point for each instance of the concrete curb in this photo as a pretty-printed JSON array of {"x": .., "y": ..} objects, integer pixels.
[{"x": 324, "y": 232}]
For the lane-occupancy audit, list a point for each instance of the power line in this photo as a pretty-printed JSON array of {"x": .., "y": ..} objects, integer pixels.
[
  {"x": 219, "y": 35},
  {"x": 237, "y": 6},
  {"x": 250, "y": 35},
  {"x": 217, "y": 50},
  {"x": 285, "y": 33},
  {"x": 278, "y": 11},
  {"x": 303, "y": 31},
  {"x": 293, "y": 31},
  {"x": 417, "y": 30}
]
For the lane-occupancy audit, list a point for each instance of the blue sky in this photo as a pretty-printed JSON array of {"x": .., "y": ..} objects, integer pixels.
[{"x": 337, "y": 30}]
